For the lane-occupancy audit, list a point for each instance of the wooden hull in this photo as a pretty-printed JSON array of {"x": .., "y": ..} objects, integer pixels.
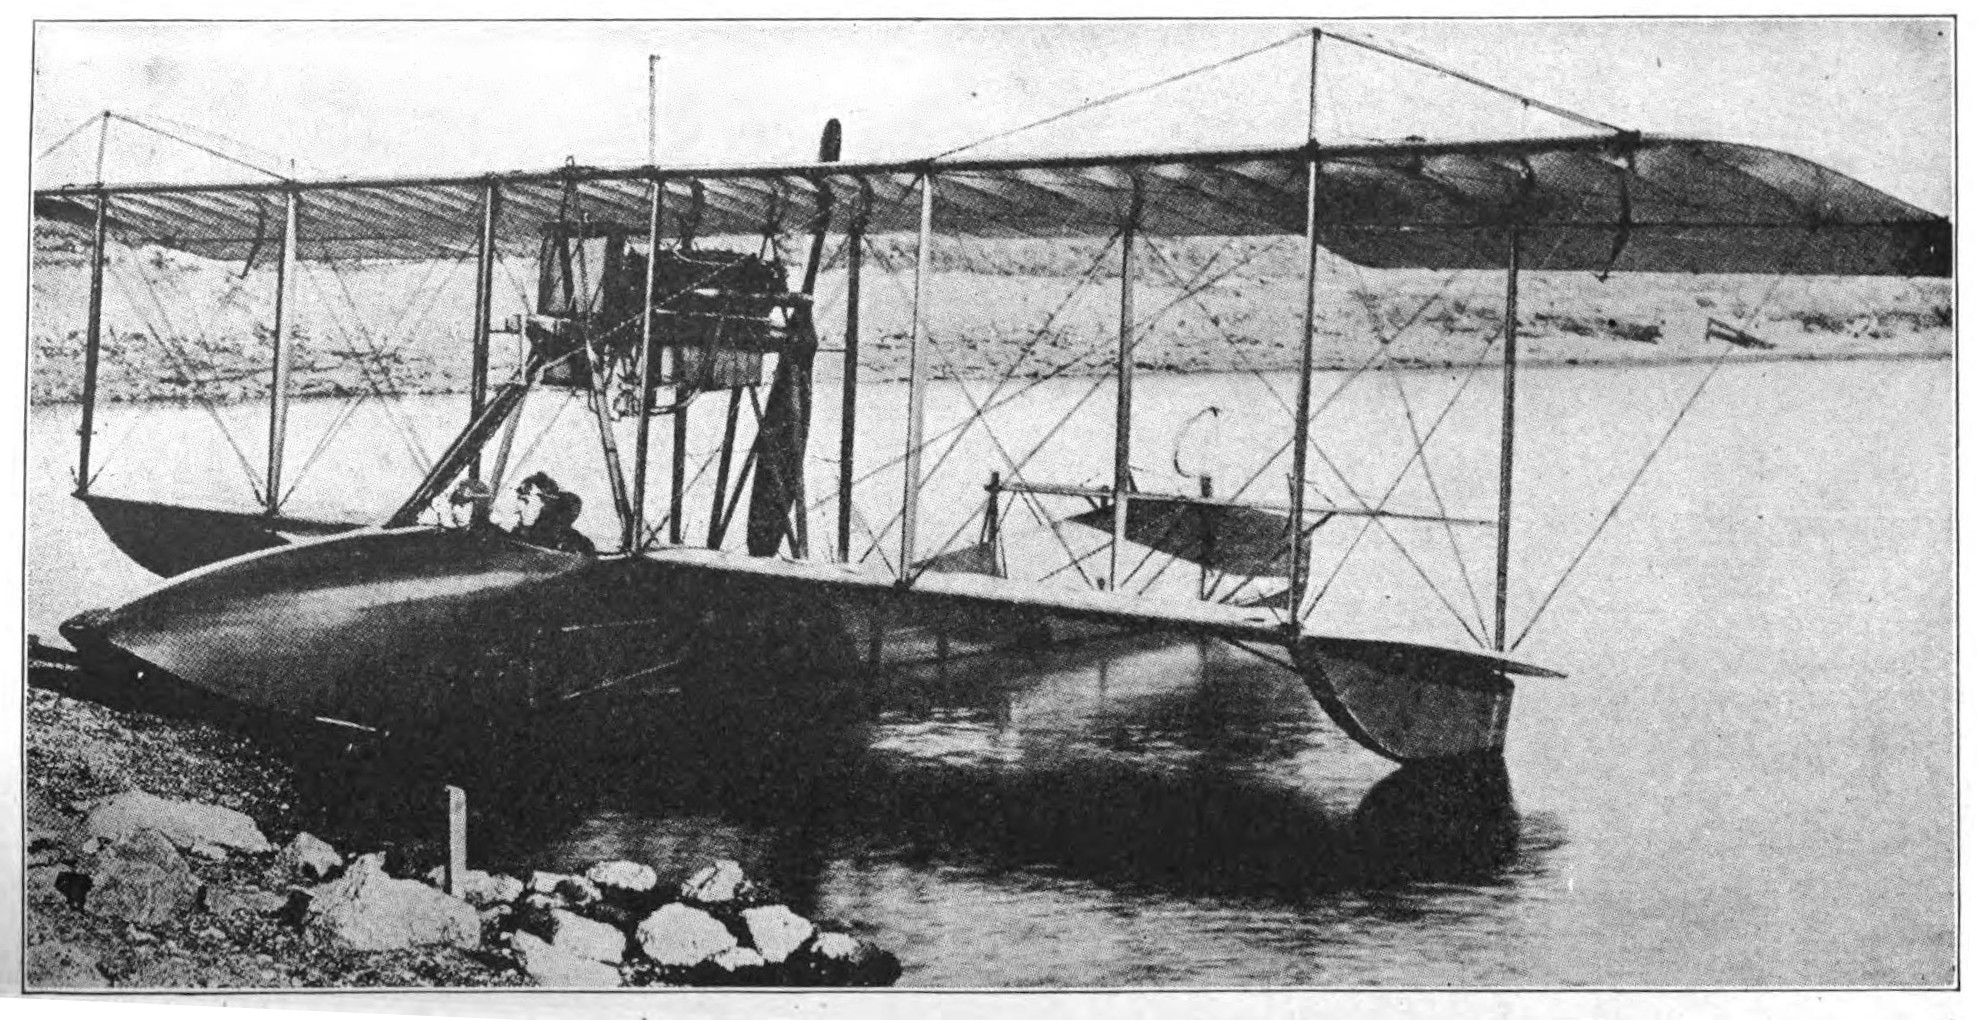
[
  {"x": 170, "y": 540},
  {"x": 418, "y": 628}
]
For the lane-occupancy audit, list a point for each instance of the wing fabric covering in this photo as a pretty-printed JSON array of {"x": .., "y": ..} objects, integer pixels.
[{"x": 1597, "y": 203}]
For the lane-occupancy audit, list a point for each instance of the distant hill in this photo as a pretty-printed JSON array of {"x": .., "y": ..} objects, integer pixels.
[{"x": 179, "y": 326}]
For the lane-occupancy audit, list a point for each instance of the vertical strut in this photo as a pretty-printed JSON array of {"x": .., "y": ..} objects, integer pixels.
[
  {"x": 92, "y": 351},
  {"x": 635, "y": 528},
  {"x": 1122, "y": 417},
  {"x": 1508, "y": 437},
  {"x": 847, "y": 443},
  {"x": 284, "y": 311},
  {"x": 1300, "y": 537},
  {"x": 483, "y": 308},
  {"x": 916, "y": 386}
]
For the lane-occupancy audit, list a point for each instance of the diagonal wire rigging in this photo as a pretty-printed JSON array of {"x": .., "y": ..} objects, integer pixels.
[{"x": 1123, "y": 94}]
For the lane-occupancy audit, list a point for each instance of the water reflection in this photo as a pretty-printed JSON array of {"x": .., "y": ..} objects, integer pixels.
[{"x": 1132, "y": 766}]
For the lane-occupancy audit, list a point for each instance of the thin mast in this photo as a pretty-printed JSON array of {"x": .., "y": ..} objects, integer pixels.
[
  {"x": 916, "y": 386},
  {"x": 1300, "y": 537},
  {"x": 1122, "y": 420},
  {"x": 848, "y": 428},
  {"x": 652, "y": 110},
  {"x": 483, "y": 308},
  {"x": 284, "y": 311},
  {"x": 635, "y": 524},
  {"x": 93, "y": 345},
  {"x": 1508, "y": 437}
]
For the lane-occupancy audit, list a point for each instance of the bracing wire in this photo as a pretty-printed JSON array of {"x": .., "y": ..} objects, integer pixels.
[
  {"x": 1613, "y": 511},
  {"x": 1124, "y": 94}
]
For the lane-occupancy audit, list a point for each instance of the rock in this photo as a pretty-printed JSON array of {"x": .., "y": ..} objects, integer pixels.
[
  {"x": 225, "y": 901},
  {"x": 545, "y": 882},
  {"x": 677, "y": 935},
  {"x": 480, "y": 888},
  {"x": 776, "y": 931},
  {"x": 737, "y": 966},
  {"x": 554, "y": 968},
  {"x": 208, "y": 851},
  {"x": 141, "y": 879},
  {"x": 578, "y": 891},
  {"x": 42, "y": 885},
  {"x": 835, "y": 946},
  {"x": 622, "y": 878},
  {"x": 717, "y": 884},
  {"x": 367, "y": 909},
  {"x": 307, "y": 859},
  {"x": 835, "y": 958},
  {"x": 185, "y": 823},
  {"x": 60, "y": 965},
  {"x": 581, "y": 936}
]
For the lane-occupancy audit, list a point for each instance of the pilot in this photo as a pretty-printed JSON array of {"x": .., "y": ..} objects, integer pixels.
[
  {"x": 549, "y": 516},
  {"x": 471, "y": 505}
]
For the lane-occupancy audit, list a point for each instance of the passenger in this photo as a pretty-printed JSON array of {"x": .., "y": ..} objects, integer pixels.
[{"x": 549, "y": 516}]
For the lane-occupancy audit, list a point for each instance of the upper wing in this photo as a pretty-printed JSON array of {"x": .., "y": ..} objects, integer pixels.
[{"x": 1599, "y": 203}]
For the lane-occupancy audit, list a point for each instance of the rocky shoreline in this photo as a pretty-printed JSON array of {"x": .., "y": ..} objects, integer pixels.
[{"x": 149, "y": 866}]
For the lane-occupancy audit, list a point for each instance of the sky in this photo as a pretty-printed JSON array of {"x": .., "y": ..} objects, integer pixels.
[{"x": 1872, "y": 98}]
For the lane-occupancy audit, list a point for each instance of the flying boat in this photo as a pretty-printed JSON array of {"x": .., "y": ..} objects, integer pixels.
[{"x": 648, "y": 308}]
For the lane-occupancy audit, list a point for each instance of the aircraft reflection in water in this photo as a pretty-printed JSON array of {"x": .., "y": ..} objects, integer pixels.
[{"x": 1175, "y": 781}]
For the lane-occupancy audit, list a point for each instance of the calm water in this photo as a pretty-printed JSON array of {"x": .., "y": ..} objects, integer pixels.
[{"x": 1747, "y": 779}]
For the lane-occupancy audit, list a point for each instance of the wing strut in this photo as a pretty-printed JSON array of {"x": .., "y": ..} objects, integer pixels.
[
  {"x": 94, "y": 349},
  {"x": 284, "y": 351},
  {"x": 483, "y": 306},
  {"x": 1508, "y": 439},
  {"x": 916, "y": 384},
  {"x": 1122, "y": 424}
]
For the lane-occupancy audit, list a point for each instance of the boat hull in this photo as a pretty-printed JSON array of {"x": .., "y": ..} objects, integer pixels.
[
  {"x": 170, "y": 540},
  {"x": 419, "y": 629}
]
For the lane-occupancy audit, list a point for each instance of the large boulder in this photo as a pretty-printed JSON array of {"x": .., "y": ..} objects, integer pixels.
[
  {"x": 677, "y": 935},
  {"x": 367, "y": 909},
  {"x": 60, "y": 965},
  {"x": 141, "y": 879},
  {"x": 622, "y": 879},
  {"x": 717, "y": 885},
  {"x": 185, "y": 823},
  {"x": 776, "y": 931},
  {"x": 306, "y": 859},
  {"x": 554, "y": 968},
  {"x": 480, "y": 888}
]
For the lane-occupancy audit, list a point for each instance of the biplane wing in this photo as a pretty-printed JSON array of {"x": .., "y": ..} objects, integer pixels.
[{"x": 1601, "y": 203}]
